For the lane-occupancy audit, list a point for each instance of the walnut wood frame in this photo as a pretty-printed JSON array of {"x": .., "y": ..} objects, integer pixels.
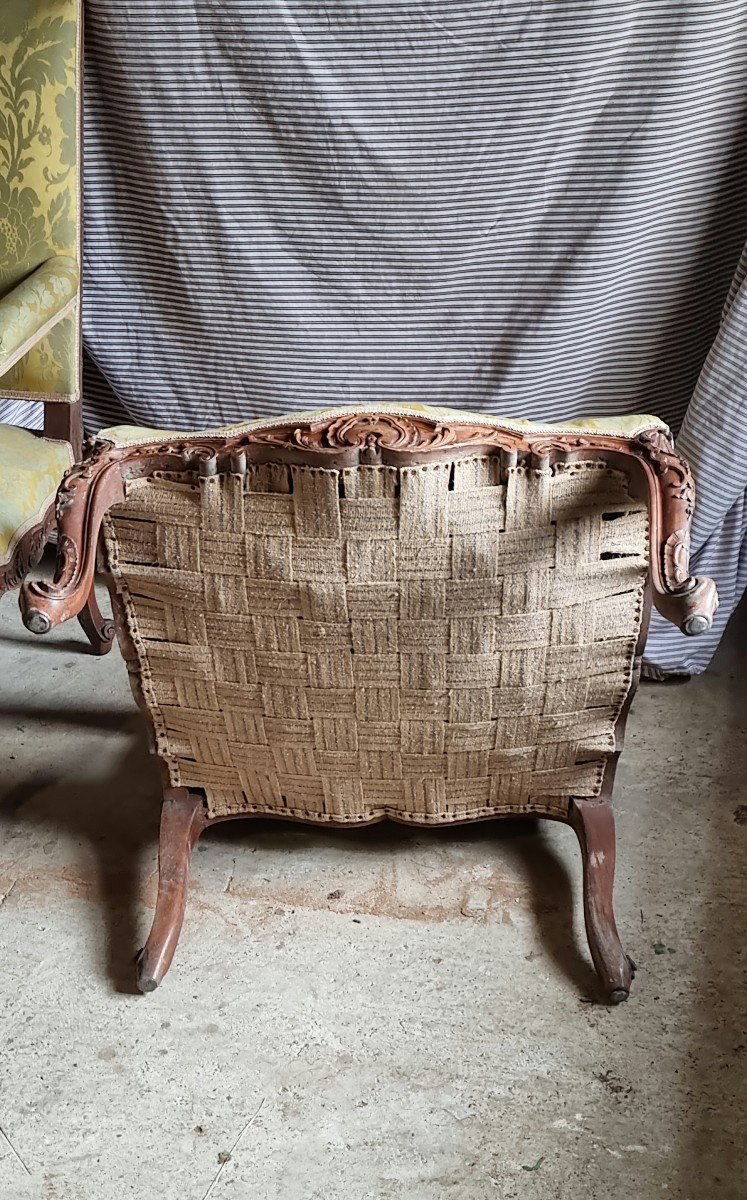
[{"x": 657, "y": 474}]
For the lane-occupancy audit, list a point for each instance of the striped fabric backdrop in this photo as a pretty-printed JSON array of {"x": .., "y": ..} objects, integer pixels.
[{"x": 534, "y": 209}]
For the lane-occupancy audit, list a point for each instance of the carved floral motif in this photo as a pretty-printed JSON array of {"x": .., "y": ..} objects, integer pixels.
[
  {"x": 384, "y": 431},
  {"x": 545, "y": 446},
  {"x": 676, "y": 553},
  {"x": 673, "y": 470}
]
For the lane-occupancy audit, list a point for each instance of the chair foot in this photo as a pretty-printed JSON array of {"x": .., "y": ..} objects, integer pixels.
[
  {"x": 183, "y": 818},
  {"x": 145, "y": 982},
  {"x": 594, "y": 823},
  {"x": 98, "y": 629}
]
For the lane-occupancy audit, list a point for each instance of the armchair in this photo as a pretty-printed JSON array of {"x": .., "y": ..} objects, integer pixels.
[
  {"x": 40, "y": 254},
  {"x": 423, "y": 615}
]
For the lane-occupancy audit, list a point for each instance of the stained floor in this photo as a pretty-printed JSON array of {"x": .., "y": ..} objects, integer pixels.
[{"x": 367, "y": 1015}]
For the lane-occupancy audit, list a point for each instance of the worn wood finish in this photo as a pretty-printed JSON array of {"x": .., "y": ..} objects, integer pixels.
[
  {"x": 78, "y": 526},
  {"x": 28, "y": 552},
  {"x": 99, "y": 630},
  {"x": 656, "y": 471},
  {"x": 594, "y": 823},
  {"x": 182, "y": 821},
  {"x": 184, "y": 818},
  {"x": 660, "y": 474}
]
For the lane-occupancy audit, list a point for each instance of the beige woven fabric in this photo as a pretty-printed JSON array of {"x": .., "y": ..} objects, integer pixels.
[{"x": 428, "y": 643}]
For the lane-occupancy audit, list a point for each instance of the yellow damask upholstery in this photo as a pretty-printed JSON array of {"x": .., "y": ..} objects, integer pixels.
[
  {"x": 40, "y": 257},
  {"x": 39, "y": 177},
  {"x": 625, "y": 426},
  {"x": 30, "y": 471},
  {"x": 34, "y": 305}
]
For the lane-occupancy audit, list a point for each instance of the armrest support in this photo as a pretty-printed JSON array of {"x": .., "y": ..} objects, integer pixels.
[
  {"x": 34, "y": 306},
  {"x": 84, "y": 496},
  {"x": 685, "y": 601}
]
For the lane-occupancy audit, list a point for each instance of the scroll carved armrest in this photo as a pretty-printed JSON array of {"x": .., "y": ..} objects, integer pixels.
[
  {"x": 687, "y": 602},
  {"x": 83, "y": 497},
  {"x": 691, "y": 609},
  {"x": 97, "y": 483}
]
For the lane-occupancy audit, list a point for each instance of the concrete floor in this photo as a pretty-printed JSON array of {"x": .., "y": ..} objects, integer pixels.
[{"x": 375, "y": 1014}]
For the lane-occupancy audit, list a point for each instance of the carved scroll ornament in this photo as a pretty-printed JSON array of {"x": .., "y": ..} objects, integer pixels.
[{"x": 96, "y": 483}]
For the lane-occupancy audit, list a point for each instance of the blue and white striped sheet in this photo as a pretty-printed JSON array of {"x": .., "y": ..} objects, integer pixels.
[{"x": 533, "y": 209}]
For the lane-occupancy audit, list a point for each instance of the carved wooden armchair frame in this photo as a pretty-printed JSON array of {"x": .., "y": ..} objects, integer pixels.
[{"x": 658, "y": 480}]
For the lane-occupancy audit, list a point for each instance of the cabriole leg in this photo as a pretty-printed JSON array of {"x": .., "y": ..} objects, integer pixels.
[
  {"x": 183, "y": 818},
  {"x": 98, "y": 629},
  {"x": 594, "y": 823}
]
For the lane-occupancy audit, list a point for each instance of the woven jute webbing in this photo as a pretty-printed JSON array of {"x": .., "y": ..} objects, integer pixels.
[{"x": 434, "y": 643}]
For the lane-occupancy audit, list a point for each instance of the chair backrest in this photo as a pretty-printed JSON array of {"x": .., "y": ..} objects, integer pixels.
[
  {"x": 431, "y": 642},
  {"x": 384, "y": 613},
  {"x": 40, "y": 202}
]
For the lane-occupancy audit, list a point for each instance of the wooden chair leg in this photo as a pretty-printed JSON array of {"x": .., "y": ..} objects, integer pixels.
[
  {"x": 98, "y": 629},
  {"x": 594, "y": 823},
  {"x": 183, "y": 818}
]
